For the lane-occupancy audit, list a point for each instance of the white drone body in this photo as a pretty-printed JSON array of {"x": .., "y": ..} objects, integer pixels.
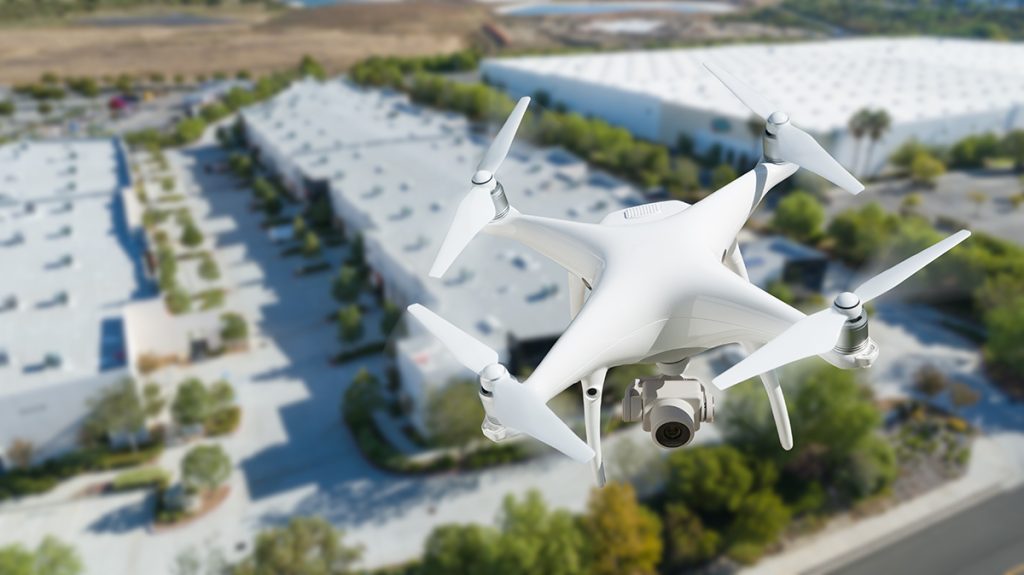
[{"x": 658, "y": 283}]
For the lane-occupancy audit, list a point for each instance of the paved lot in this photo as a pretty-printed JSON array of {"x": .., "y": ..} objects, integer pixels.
[
  {"x": 983, "y": 540},
  {"x": 951, "y": 199}
]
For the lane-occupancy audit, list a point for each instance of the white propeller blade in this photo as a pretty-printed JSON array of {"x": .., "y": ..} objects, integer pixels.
[
  {"x": 743, "y": 92},
  {"x": 813, "y": 335},
  {"x": 897, "y": 274},
  {"x": 502, "y": 143},
  {"x": 516, "y": 406},
  {"x": 818, "y": 333},
  {"x": 468, "y": 350},
  {"x": 794, "y": 144},
  {"x": 474, "y": 212},
  {"x": 477, "y": 209},
  {"x": 797, "y": 146}
]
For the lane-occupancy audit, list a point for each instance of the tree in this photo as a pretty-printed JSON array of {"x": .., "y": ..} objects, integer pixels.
[
  {"x": 116, "y": 411},
  {"x": 191, "y": 236},
  {"x": 350, "y": 323},
  {"x": 454, "y": 413},
  {"x": 191, "y": 403},
  {"x": 684, "y": 180},
  {"x": 858, "y": 127},
  {"x": 310, "y": 244},
  {"x": 6, "y": 108},
  {"x": 348, "y": 285},
  {"x": 930, "y": 381},
  {"x": 827, "y": 407},
  {"x": 21, "y": 452},
  {"x": 51, "y": 557},
  {"x": 306, "y": 546},
  {"x": 221, "y": 396},
  {"x": 759, "y": 519},
  {"x": 709, "y": 479},
  {"x": 357, "y": 253},
  {"x": 925, "y": 169},
  {"x": 54, "y": 557},
  {"x": 879, "y": 122},
  {"x": 1005, "y": 345},
  {"x": 461, "y": 550},
  {"x": 535, "y": 539},
  {"x": 870, "y": 468},
  {"x": 189, "y": 130},
  {"x": 309, "y": 66},
  {"x": 859, "y": 234},
  {"x": 152, "y": 400},
  {"x": 722, "y": 175},
  {"x": 234, "y": 328},
  {"x": 800, "y": 216},
  {"x": 688, "y": 541},
  {"x": 623, "y": 536},
  {"x": 205, "y": 468}
]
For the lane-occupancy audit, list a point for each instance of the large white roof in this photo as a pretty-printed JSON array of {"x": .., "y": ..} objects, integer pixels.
[
  {"x": 821, "y": 84},
  {"x": 404, "y": 169},
  {"x": 62, "y": 231}
]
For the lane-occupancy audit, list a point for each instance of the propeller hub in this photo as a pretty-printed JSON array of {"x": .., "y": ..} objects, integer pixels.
[
  {"x": 776, "y": 119},
  {"x": 491, "y": 375},
  {"x": 848, "y": 304},
  {"x": 482, "y": 177}
]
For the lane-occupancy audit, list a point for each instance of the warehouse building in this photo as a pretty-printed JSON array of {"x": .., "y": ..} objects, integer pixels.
[
  {"x": 70, "y": 251},
  {"x": 935, "y": 90},
  {"x": 395, "y": 173}
]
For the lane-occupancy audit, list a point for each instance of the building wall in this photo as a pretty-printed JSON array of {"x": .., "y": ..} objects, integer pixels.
[
  {"x": 653, "y": 119},
  {"x": 50, "y": 418}
]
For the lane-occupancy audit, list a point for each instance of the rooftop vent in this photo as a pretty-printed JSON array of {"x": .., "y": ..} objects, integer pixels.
[
  {"x": 53, "y": 360},
  {"x": 10, "y": 303},
  {"x": 5, "y": 358}
]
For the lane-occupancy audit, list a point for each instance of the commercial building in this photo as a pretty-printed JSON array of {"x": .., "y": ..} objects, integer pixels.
[
  {"x": 935, "y": 90},
  {"x": 395, "y": 173},
  {"x": 70, "y": 251}
]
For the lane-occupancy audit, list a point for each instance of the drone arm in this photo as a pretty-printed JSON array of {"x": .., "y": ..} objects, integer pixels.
[
  {"x": 577, "y": 247},
  {"x": 593, "y": 388},
  {"x": 722, "y": 215}
]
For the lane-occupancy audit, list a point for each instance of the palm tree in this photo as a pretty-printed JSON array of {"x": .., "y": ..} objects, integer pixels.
[
  {"x": 878, "y": 124},
  {"x": 858, "y": 126}
]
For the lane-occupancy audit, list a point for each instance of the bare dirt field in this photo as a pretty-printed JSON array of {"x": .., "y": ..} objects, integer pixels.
[{"x": 337, "y": 35}]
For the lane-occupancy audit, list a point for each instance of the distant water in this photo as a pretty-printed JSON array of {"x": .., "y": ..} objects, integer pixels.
[
  {"x": 591, "y": 8},
  {"x": 165, "y": 20}
]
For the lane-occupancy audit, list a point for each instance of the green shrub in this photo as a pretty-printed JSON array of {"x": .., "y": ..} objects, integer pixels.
[
  {"x": 224, "y": 421},
  {"x": 142, "y": 478},
  {"x": 208, "y": 269},
  {"x": 210, "y": 299},
  {"x": 178, "y": 301}
]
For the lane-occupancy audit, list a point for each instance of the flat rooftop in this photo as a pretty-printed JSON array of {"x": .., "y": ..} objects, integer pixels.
[
  {"x": 821, "y": 84},
  {"x": 402, "y": 170},
  {"x": 68, "y": 262}
]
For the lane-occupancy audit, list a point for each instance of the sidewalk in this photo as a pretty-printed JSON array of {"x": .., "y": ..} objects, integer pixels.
[{"x": 995, "y": 467}]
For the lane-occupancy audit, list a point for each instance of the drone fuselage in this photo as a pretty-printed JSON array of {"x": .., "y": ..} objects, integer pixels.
[{"x": 660, "y": 291}]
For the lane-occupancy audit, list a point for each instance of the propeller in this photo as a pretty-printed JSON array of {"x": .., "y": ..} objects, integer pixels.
[
  {"x": 516, "y": 406},
  {"x": 819, "y": 332},
  {"x": 791, "y": 144},
  {"x": 477, "y": 209}
]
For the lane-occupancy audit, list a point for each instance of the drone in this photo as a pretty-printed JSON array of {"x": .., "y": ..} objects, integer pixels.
[{"x": 659, "y": 283}]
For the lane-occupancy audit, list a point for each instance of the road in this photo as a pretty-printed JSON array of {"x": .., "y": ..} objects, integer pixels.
[{"x": 984, "y": 539}]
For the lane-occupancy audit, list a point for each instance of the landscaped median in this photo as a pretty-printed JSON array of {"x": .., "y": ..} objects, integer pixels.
[{"x": 364, "y": 397}]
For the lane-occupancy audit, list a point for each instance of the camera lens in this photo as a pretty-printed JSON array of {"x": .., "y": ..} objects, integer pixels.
[{"x": 672, "y": 434}]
